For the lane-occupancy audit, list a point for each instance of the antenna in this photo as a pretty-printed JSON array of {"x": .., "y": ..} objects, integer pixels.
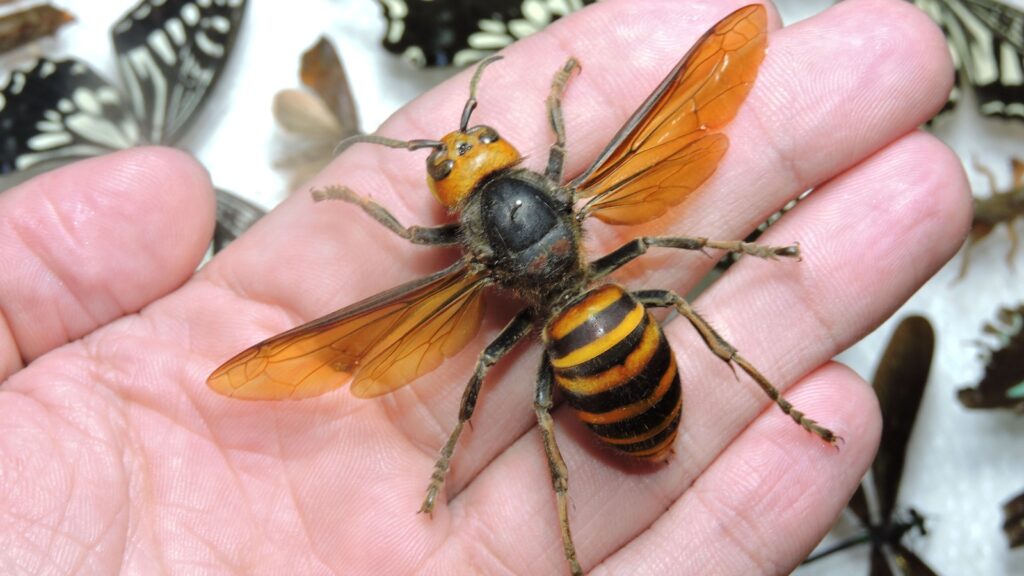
[{"x": 471, "y": 103}]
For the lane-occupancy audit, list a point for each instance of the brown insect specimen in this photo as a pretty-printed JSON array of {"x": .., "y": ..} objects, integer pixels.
[
  {"x": 24, "y": 26},
  {"x": 1001, "y": 206},
  {"x": 1014, "y": 524},
  {"x": 1002, "y": 385},
  {"x": 321, "y": 118},
  {"x": 520, "y": 231},
  {"x": 899, "y": 382}
]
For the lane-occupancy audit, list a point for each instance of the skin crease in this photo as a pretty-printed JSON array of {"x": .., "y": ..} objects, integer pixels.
[{"x": 114, "y": 456}]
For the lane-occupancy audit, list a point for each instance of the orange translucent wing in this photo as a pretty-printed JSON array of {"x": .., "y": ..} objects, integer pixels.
[
  {"x": 669, "y": 147},
  {"x": 386, "y": 341}
]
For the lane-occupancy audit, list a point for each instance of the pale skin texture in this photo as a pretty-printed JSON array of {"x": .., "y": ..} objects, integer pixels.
[{"x": 114, "y": 455}]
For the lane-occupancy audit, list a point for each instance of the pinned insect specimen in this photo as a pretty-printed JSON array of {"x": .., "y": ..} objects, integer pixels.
[
  {"x": 170, "y": 54},
  {"x": 319, "y": 119},
  {"x": 520, "y": 231},
  {"x": 459, "y": 33},
  {"x": 24, "y": 26},
  {"x": 899, "y": 382},
  {"x": 1002, "y": 386},
  {"x": 1014, "y": 524},
  {"x": 1000, "y": 207},
  {"x": 986, "y": 41}
]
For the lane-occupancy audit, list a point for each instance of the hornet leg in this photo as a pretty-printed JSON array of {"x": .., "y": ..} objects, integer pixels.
[
  {"x": 515, "y": 330},
  {"x": 556, "y": 158},
  {"x": 725, "y": 351},
  {"x": 444, "y": 235},
  {"x": 631, "y": 250},
  {"x": 559, "y": 473}
]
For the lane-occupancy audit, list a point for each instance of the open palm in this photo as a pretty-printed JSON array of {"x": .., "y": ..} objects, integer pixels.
[{"x": 114, "y": 455}]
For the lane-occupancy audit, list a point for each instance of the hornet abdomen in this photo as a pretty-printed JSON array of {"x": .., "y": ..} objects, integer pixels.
[{"x": 617, "y": 371}]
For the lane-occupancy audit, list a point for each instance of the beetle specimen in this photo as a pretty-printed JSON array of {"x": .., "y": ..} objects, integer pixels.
[
  {"x": 899, "y": 382},
  {"x": 520, "y": 230},
  {"x": 1002, "y": 386},
  {"x": 1002, "y": 206}
]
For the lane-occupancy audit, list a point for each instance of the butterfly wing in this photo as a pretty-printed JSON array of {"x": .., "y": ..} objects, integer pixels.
[
  {"x": 986, "y": 42},
  {"x": 60, "y": 110},
  {"x": 171, "y": 54},
  {"x": 670, "y": 145},
  {"x": 385, "y": 342},
  {"x": 321, "y": 69},
  {"x": 234, "y": 216},
  {"x": 459, "y": 32}
]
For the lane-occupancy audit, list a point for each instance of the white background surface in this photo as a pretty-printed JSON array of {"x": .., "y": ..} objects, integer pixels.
[{"x": 961, "y": 465}]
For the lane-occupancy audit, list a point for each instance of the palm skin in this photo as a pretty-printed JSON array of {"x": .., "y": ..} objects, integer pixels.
[{"x": 115, "y": 456}]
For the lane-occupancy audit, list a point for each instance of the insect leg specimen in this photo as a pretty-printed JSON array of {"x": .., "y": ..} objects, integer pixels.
[
  {"x": 638, "y": 247},
  {"x": 443, "y": 235},
  {"x": 1001, "y": 206},
  {"x": 556, "y": 158},
  {"x": 559, "y": 472},
  {"x": 516, "y": 329}
]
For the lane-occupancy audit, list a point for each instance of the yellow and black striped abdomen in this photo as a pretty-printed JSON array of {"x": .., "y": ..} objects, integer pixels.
[{"x": 617, "y": 370}]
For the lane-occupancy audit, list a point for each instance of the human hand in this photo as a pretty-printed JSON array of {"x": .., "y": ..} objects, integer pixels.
[{"x": 114, "y": 455}]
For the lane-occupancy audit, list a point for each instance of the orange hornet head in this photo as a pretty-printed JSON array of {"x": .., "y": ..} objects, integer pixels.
[{"x": 464, "y": 159}]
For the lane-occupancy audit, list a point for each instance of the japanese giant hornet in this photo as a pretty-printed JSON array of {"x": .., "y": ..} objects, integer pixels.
[{"x": 520, "y": 230}]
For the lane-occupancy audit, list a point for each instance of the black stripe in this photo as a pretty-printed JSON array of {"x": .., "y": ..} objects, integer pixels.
[
  {"x": 614, "y": 356},
  {"x": 632, "y": 390},
  {"x": 645, "y": 421},
  {"x": 598, "y": 324},
  {"x": 653, "y": 441}
]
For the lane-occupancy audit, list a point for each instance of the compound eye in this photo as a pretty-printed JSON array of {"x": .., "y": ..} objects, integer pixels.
[
  {"x": 439, "y": 170},
  {"x": 486, "y": 134}
]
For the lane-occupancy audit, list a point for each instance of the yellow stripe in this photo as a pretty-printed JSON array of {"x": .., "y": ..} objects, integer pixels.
[
  {"x": 616, "y": 375},
  {"x": 604, "y": 343},
  {"x": 595, "y": 302},
  {"x": 636, "y": 408},
  {"x": 657, "y": 453},
  {"x": 650, "y": 433}
]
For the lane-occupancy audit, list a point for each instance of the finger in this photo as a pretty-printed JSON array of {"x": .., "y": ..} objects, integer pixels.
[
  {"x": 873, "y": 235},
  {"x": 761, "y": 506},
  {"x": 90, "y": 242}
]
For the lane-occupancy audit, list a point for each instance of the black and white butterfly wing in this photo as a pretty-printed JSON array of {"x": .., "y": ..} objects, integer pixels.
[
  {"x": 986, "y": 41},
  {"x": 461, "y": 32},
  {"x": 234, "y": 216},
  {"x": 171, "y": 53},
  {"x": 60, "y": 110}
]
